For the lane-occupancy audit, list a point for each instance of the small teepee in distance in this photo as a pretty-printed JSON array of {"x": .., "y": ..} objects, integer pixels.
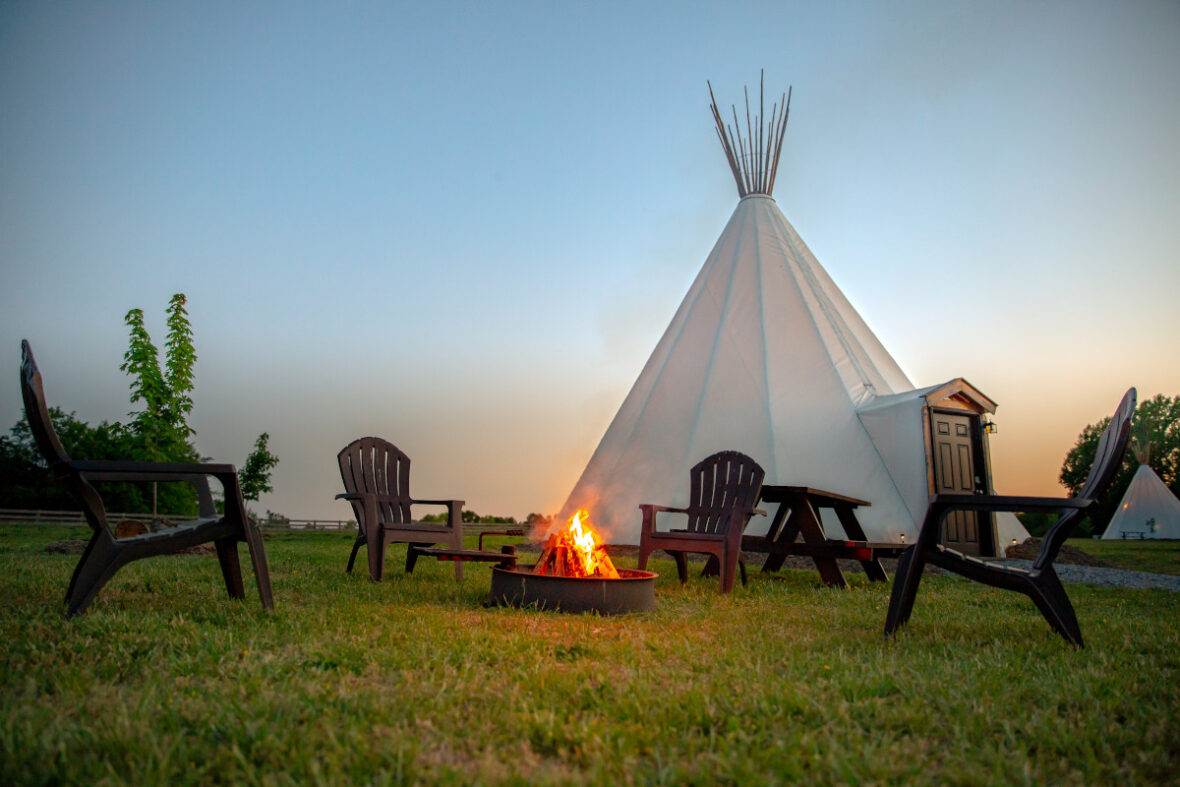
[
  {"x": 1148, "y": 508},
  {"x": 765, "y": 356}
]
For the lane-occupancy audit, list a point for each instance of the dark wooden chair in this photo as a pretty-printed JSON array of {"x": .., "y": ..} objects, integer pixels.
[
  {"x": 723, "y": 492},
  {"x": 376, "y": 479},
  {"x": 106, "y": 554},
  {"x": 1040, "y": 582}
]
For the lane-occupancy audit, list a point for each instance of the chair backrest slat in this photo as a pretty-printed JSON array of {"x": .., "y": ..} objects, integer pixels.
[
  {"x": 45, "y": 436},
  {"x": 370, "y": 465},
  {"x": 1108, "y": 456},
  {"x": 36, "y": 411},
  {"x": 719, "y": 484}
]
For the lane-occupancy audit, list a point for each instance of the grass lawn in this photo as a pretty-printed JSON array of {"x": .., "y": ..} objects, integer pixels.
[
  {"x": 412, "y": 680},
  {"x": 1158, "y": 557}
]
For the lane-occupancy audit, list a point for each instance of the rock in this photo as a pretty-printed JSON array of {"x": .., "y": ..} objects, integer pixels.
[{"x": 129, "y": 528}]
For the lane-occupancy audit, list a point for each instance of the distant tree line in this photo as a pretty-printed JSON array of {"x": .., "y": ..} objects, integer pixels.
[
  {"x": 158, "y": 432},
  {"x": 472, "y": 517}
]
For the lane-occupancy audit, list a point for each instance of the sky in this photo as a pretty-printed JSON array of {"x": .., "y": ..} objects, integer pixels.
[{"x": 464, "y": 226}]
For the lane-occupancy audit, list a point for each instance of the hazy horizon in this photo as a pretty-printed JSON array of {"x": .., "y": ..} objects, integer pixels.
[{"x": 464, "y": 227}]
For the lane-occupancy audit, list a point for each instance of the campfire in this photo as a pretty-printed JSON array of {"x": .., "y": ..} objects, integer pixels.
[
  {"x": 575, "y": 574},
  {"x": 575, "y": 552}
]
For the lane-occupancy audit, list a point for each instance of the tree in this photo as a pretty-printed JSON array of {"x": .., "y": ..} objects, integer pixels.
[
  {"x": 24, "y": 482},
  {"x": 166, "y": 395},
  {"x": 161, "y": 427},
  {"x": 162, "y": 424},
  {"x": 1155, "y": 432},
  {"x": 254, "y": 477}
]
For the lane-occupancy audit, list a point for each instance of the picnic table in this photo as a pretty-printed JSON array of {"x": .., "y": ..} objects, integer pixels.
[{"x": 797, "y": 529}]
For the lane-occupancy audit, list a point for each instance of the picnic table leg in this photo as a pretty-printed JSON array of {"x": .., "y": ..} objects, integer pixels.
[
  {"x": 774, "y": 557},
  {"x": 813, "y": 533},
  {"x": 873, "y": 568},
  {"x": 830, "y": 573}
]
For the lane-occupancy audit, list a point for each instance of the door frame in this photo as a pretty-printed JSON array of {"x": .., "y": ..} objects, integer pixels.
[{"x": 985, "y": 525}]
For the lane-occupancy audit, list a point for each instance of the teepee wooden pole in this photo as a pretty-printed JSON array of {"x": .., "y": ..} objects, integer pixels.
[
  {"x": 761, "y": 124},
  {"x": 753, "y": 158},
  {"x": 750, "y": 134},
  {"x": 742, "y": 160},
  {"x": 782, "y": 132},
  {"x": 725, "y": 143}
]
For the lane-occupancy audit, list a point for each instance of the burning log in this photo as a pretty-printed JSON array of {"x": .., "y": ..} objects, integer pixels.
[{"x": 575, "y": 553}]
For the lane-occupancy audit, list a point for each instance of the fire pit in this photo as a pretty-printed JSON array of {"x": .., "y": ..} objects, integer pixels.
[
  {"x": 575, "y": 574},
  {"x": 633, "y": 591}
]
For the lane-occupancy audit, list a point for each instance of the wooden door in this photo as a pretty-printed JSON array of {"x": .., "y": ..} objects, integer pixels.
[{"x": 955, "y": 473}]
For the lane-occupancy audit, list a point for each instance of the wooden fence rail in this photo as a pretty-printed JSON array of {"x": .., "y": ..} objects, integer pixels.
[{"x": 18, "y": 516}]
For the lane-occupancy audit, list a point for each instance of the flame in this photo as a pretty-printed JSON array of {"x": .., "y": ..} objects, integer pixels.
[
  {"x": 576, "y": 551},
  {"x": 584, "y": 541}
]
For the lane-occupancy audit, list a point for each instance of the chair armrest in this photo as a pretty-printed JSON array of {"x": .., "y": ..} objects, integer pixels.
[
  {"x": 648, "y": 526},
  {"x": 1008, "y": 503},
  {"x": 454, "y": 511},
  {"x": 686, "y": 535},
  {"x": 193, "y": 473},
  {"x": 941, "y": 505},
  {"x": 115, "y": 470},
  {"x": 348, "y": 496},
  {"x": 645, "y": 507}
]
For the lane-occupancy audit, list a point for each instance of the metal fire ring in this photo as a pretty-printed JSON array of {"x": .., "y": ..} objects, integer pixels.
[{"x": 633, "y": 591}]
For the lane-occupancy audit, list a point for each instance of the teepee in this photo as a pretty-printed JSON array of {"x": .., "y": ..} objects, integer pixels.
[
  {"x": 1148, "y": 508},
  {"x": 765, "y": 355}
]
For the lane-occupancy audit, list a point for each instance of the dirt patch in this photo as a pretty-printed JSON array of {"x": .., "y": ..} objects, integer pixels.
[
  {"x": 753, "y": 559},
  {"x": 1031, "y": 548},
  {"x": 129, "y": 528},
  {"x": 76, "y": 546}
]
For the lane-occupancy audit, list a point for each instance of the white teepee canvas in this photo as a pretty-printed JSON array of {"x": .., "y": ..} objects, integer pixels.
[
  {"x": 1148, "y": 509},
  {"x": 765, "y": 356}
]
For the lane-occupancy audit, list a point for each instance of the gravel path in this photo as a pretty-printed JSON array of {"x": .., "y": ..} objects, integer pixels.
[
  {"x": 1108, "y": 577},
  {"x": 1069, "y": 572}
]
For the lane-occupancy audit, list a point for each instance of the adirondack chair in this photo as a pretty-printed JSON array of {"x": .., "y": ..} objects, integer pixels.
[
  {"x": 1040, "y": 582},
  {"x": 723, "y": 489},
  {"x": 106, "y": 554},
  {"x": 376, "y": 479}
]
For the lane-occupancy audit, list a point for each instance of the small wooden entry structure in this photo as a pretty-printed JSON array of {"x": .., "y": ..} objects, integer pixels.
[{"x": 958, "y": 462}]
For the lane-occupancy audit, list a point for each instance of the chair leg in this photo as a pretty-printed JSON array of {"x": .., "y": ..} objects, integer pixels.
[
  {"x": 729, "y": 570},
  {"x": 360, "y": 540},
  {"x": 376, "y": 549},
  {"x": 1050, "y": 597},
  {"x": 644, "y": 554},
  {"x": 742, "y": 566},
  {"x": 905, "y": 588},
  {"x": 681, "y": 566},
  {"x": 412, "y": 556},
  {"x": 91, "y": 546},
  {"x": 98, "y": 564},
  {"x": 457, "y": 543},
  {"x": 253, "y": 538},
  {"x": 231, "y": 568}
]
